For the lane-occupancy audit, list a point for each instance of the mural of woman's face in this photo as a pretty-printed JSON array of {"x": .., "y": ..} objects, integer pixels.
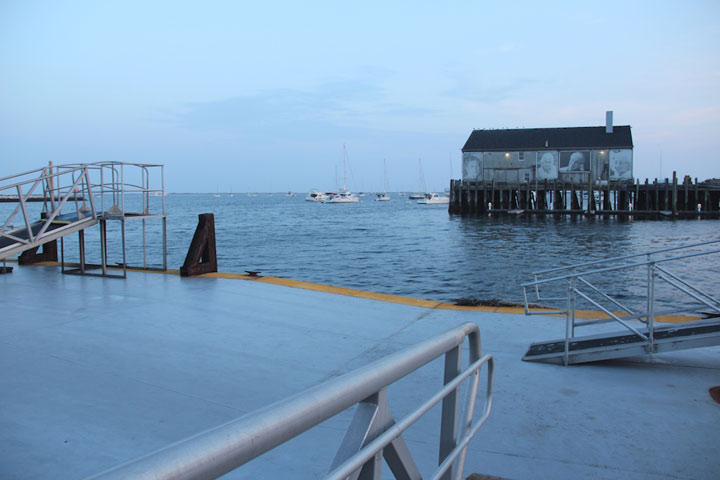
[
  {"x": 622, "y": 165},
  {"x": 577, "y": 161}
]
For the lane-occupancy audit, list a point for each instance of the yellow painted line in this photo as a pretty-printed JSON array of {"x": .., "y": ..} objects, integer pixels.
[
  {"x": 417, "y": 302},
  {"x": 384, "y": 297}
]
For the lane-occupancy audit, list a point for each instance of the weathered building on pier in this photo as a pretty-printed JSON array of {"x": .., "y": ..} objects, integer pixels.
[
  {"x": 573, "y": 170},
  {"x": 574, "y": 155}
]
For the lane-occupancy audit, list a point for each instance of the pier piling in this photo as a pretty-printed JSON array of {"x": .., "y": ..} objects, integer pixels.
[{"x": 607, "y": 198}]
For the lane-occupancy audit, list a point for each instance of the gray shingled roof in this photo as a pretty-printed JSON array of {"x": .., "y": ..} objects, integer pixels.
[{"x": 557, "y": 138}]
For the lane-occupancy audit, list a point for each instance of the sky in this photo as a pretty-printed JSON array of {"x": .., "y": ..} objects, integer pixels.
[{"x": 265, "y": 96}]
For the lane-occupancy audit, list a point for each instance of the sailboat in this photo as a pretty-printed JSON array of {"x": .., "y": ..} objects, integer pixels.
[
  {"x": 421, "y": 184},
  {"x": 383, "y": 197},
  {"x": 344, "y": 195}
]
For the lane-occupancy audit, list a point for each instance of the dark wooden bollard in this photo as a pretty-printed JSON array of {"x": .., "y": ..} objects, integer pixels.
[
  {"x": 49, "y": 254},
  {"x": 202, "y": 256}
]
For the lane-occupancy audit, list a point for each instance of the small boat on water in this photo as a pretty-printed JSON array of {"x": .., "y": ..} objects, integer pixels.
[
  {"x": 383, "y": 197},
  {"x": 343, "y": 196},
  {"x": 434, "y": 199},
  {"x": 420, "y": 194},
  {"x": 315, "y": 196}
]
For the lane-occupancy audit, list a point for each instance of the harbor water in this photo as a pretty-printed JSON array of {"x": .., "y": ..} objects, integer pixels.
[{"x": 402, "y": 248}]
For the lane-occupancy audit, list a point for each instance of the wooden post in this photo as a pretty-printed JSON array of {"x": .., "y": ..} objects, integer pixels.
[
  {"x": 492, "y": 194},
  {"x": 49, "y": 254},
  {"x": 674, "y": 193},
  {"x": 202, "y": 256},
  {"x": 485, "y": 200}
]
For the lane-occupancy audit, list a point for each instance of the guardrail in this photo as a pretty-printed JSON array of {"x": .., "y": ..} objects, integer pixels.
[
  {"x": 578, "y": 278},
  {"x": 57, "y": 189},
  {"x": 80, "y": 195},
  {"x": 371, "y": 432}
]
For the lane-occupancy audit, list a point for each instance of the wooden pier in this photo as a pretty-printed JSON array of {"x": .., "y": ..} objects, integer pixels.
[{"x": 667, "y": 198}]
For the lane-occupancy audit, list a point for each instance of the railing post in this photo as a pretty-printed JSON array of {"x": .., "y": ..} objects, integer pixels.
[
  {"x": 569, "y": 317},
  {"x": 448, "y": 426},
  {"x": 651, "y": 306}
]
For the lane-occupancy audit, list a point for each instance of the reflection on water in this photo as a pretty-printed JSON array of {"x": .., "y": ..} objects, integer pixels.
[{"x": 403, "y": 248}]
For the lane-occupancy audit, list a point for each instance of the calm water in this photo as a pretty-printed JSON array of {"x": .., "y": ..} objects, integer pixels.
[{"x": 403, "y": 248}]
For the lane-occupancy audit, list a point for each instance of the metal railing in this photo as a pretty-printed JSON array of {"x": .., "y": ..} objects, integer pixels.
[
  {"x": 578, "y": 278},
  {"x": 62, "y": 189},
  {"x": 78, "y": 196},
  {"x": 372, "y": 430}
]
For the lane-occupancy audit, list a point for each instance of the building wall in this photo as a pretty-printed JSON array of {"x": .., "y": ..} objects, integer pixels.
[{"x": 573, "y": 166}]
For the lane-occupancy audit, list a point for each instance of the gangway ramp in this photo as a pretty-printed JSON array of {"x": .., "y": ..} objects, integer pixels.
[
  {"x": 78, "y": 196},
  {"x": 18, "y": 240},
  {"x": 583, "y": 284},
  {"x": 702, "y": 333}
]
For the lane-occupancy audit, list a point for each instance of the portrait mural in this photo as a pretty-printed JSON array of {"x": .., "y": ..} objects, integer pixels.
[
  {"x": 620, "y": 164},
  {"x": 547, "y": 165},
  {"x": 472, "y": 166},
  {"x": 600, "y": 164},
  {"x": 575, "y": 161}
]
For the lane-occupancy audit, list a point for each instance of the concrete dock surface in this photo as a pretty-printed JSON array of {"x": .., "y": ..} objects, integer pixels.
[{"x": 98, "y": 371}]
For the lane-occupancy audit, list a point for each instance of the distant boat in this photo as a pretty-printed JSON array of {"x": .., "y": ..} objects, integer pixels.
[
  {"x": 344, "y": 195},
  {"x": 422, "y": 189},
  {"x": 315, "y": 196},
  {"x": 289, "y": 194},
  {"x": 383, "y": 197},
  {"x": 434, "y": 199}
]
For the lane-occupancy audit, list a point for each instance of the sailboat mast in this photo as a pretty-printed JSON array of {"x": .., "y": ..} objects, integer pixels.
[
  {"x": 385, "y": 184},
  {"x": 344, "y": 167}
]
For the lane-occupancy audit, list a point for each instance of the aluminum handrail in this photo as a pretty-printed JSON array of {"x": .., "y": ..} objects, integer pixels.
[
  {"x": 624, "y": 257},
  {"x": 618, "y": 267},
  {"x": 222, "y": 449},
  {"x": 72, "y": 187},
  {"x": 653, "y": 271}
]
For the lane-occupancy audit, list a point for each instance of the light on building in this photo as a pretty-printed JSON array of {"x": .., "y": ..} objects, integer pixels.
[{"x": 507, "y": 155}]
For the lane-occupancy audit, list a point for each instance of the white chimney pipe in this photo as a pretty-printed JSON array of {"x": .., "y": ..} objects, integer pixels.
[{"x": 608, "y": 122}]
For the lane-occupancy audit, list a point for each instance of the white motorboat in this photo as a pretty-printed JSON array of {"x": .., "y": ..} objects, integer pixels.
[
  {"x": 315, "y": 196},
  {"x": 343, "y": 196},
  {"x": 434, "y": 199}
]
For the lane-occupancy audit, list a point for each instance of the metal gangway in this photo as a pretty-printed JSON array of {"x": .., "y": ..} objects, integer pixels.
[
  {"x": 75, "y": 197},
  {"x": 373, "y": 433},
  {"x": 641, "y": 335}
]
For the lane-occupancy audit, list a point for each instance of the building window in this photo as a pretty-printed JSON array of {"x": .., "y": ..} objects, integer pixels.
[
  {"x": 527, "y": 177},
  {"x": 521, "y": 156}
]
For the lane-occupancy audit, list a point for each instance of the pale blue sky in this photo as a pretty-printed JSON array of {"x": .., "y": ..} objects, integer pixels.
[{"x": 261, "y": 96}]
